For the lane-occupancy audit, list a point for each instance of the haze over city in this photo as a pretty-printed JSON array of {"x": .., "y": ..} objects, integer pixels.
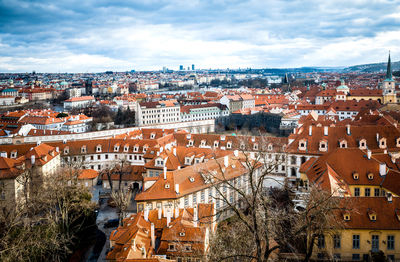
[{"x": 95, "y": 36}]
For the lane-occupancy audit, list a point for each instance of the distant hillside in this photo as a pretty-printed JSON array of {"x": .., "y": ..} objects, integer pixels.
[{"x": 372, "y": 68}]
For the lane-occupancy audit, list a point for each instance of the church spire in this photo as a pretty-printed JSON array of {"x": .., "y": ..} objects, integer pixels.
[{"x": 389, "y": 69}]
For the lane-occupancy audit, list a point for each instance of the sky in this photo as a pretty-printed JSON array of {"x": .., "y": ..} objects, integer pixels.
[{"x": 119, "y": 35}]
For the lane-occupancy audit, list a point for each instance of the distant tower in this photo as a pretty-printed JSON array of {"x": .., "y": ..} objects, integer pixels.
[
  {"x": 388, "y": 85},
  {"x": 181, "y": 67},
  {"x": 286, "y": 84},
  {"x": 192, "y": 67}
]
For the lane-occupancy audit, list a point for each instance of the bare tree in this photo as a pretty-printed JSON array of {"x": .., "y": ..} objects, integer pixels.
[{"x": 257, "y": 220}]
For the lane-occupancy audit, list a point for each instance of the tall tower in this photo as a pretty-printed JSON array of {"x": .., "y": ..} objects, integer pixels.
[{"x": 388, "y": 85}]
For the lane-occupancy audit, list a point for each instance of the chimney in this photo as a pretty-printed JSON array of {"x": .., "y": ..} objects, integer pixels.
[
  {"x": 195, "y": 216},
  {"x": 326, "y": 128},
  {"x": 177, "y": 188},
  {"x": 389, "y": 197},
  {"x": 165, "y": 173},
  {"x": 158, "y": 153},
  {"x": 174, "y": 151},
  {"x": 57, "y": 149},
  {"x": 369, "y": 154},
  {"x": 146, "y": 214},
  {"x": 236, "y": 153},
  {"x": 377, "y": 137},
  {"x": 226, "y": 161},
  {"x": 159, "y": 213},
  {"x": 168, "y": 218},
  {"x": 348, "y": 130},
  {"x": 32, "y": 159},
  {"x": 153, "y": 239},
  {"x": 310, "y": 130},
  {"x": 382, "y": 169},
  {"x": 176, "y": 212}
]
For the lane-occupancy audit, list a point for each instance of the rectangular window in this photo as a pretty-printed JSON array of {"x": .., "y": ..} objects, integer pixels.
[
  {"x": 367, "y": 192},
  {"x": 321, "y": 241},
  {"x": 194, "y": 198},
  {"x": 202, "y": 196},
  {"x": 390, "y": 242},
  {"x": 356, "y": 257},
  {"x": 186, "y": 201},
  {"x": 356, "y": 191},
  {"x": 376, "y": 192},
  {"x": 356, "y": 241},
  {"x": 336, "y": 241}
]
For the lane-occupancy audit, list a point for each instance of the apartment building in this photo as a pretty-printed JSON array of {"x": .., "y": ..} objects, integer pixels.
[{"x": 160, "y": 112}]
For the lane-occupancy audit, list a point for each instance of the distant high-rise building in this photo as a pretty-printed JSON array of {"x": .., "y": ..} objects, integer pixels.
[
  {"x": 181, "y": 67},
  {"x": 193, "y": 67},
  {"x": 164, "y": 69},
  {"x": 188, "y": 68}
]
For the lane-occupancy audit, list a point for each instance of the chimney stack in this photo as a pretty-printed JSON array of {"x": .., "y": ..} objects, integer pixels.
[
  {"x": 177, "y": 188},
  {"x": 195, "y": 216},
  {"x": 176, "y": 212},
  {"x": 168, "y": 218},
  {"x": 174, "y": 151},
  {"x": 310, "y": 130},
  {"x": 165, "y": 173},
  {"x": 153, "y": 239},
  {"x": 382, "y": 169},
  {"x": 226, "y": 161},
  {"x": 146, "y": 214},
  {"x": 32, "y": 159},
  {"x": 159, "y": 213},
  {"x": 348, "y": 130},
  {"x": 369, "y": 154},
  {"x": 326, "y": 129}
]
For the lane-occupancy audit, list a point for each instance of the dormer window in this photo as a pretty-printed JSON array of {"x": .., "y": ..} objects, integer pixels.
[
  {"x": 343, "y": 144},
  {"x": 355, "y": 176},
  {"x": 398, "y": 142},
  {"x": 197, "y": 160},
  {"x": 126, "y": 148},
  {"x": 323, "y": 145},
  {"x": 302, "y": 144},
  {"x": 98, "y": 148},
  {"x": 13, "y": 154},
  {"x": 372, "y": 215},
  {"x": 346, "y": 216},
  {"x": 145, "y": 149},
  {"x": 116, "y": 148},
  {"x": 182, "y": 234},
  {"x": 83, "y": 149},
  {"x": 242, "y": 146},
  {"x": 370, "y": 176},
  {"x": 382, "y": 143},
  {"x": 190, "y": 142},
  {"x": 363, "y": 144},
  {"x": 188, "y": 160},
  {"x": 191, "y": 179},
  {"x": 159, "y": 162},
  {"x": 153, "y": 135},
  {"x": 269, "y": 147},
  {"x": 167, "y": 186},
  {"x": 255, "y": 146},
  {"x": 203, "y": 142},
  {"x": 135, "y": 148},
  {"x": 229, "y": 145},
  {"x": 66, "y": 150},
  {"x": 216, "y": 143}
]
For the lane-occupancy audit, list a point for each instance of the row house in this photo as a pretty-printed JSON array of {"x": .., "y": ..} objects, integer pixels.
[
  {"x": 368, "y": 186},
  {"x": 182, "y": 235},
  {"x": 315, "y": 140},
  {"x": 160, "y": 112},
  {"x": 79, "y": 102},
  {"x": 43, "y": 159},
  {"x": 201, "y": 183},
  {"x": 203, "y": 112}
]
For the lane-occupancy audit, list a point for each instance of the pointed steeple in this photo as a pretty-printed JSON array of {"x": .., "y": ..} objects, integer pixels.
[{"x": 389, "y": 69}]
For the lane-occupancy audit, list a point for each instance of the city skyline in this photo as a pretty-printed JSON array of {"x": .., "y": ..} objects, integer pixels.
[{"x": 71, "y": 36}]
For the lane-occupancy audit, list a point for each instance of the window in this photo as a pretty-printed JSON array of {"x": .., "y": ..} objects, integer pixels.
[
  {"x": 336, "y": 241},
  {"x": 376, "y": 192},
  {"x": 390, "y": 242},
  {"x": 367, "y": 192},
  {"x": 202, "y": 196},
  {"x": 356, "y": 241},
  {"x": 194, "y": 198},
  {"x": 321, "y": 241},
  {"x": 98, "y": 157},
  {"x": 356, "y": 191},
  {"x": 356, "y": 257},
  {"x": 171, "y": 247},
  {"x": 186, "y": 201},
  {"x": 188, "y": 248}
]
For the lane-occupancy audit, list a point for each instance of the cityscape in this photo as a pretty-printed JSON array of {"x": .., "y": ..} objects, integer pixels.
[{"x": 199, "y": 131}]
